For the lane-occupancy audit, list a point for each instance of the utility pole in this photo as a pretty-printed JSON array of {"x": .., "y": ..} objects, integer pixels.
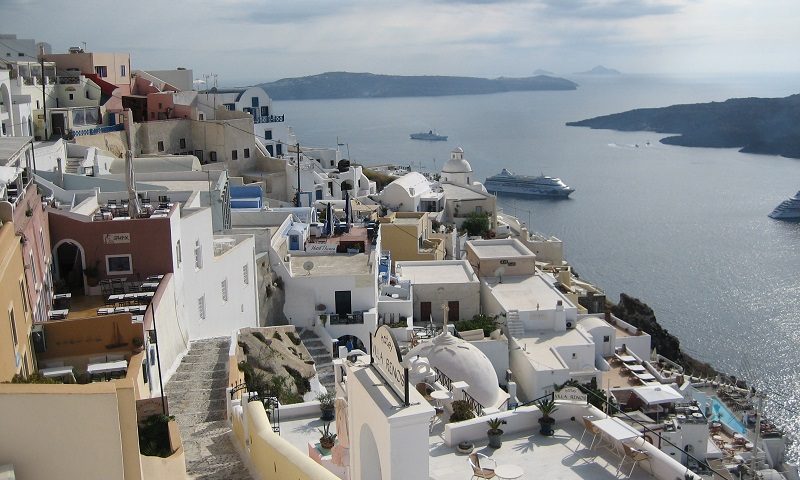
[
  {"x": 297, "y": 199},
  {"x": 44, "y": 94}
]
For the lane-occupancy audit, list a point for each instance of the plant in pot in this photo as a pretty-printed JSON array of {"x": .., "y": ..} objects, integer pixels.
[
  {"x": 495, "y": 433},
  {"x": 138, "y": 344},
  {"x": 547, "y": 407},
  {"x": 328, "y": 439},
  {"x": 326, "y": 405}
]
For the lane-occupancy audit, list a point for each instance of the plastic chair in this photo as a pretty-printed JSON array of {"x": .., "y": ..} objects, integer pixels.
[
  {"x": 635, "y": 455},
  {"x": 479, "y": 462},
  {"x": 588, "y": 426}
]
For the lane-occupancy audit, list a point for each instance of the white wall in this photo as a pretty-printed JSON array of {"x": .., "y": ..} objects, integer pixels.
[
  {"x": 173, "y": 333},
  {"x": 497, "y": 352},
  {"x": 240, "y": 310}
]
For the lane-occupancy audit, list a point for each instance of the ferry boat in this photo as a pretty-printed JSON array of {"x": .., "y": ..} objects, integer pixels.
[
  {"x": 507, "y": 182},
  {"x": 788, "y": 209},
  {"x": 429, "y": 136}
]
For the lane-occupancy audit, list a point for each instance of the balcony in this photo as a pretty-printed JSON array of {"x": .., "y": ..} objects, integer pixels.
[{"x": 268, "y": 119}]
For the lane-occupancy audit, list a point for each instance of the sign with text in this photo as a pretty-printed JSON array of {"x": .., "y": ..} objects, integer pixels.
[
  {"x": 573, "y": 394},
  {"x": 387, "y": 360},
  {"x": 114, "y": 238},
  {"x": 321, "y": 248}
]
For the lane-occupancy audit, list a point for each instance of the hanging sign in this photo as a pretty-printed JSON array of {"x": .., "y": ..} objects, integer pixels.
[{"x": 114, "y": 238}]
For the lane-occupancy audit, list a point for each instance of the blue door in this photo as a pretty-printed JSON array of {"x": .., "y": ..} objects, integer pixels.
[{"x": 294, "y": 242}]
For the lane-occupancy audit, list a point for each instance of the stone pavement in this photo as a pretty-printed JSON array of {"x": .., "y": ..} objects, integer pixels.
[{"x": 196, "y": 394}]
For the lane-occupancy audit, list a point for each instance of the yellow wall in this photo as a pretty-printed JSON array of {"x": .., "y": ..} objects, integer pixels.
[
  {"x": 11, "y": 299},
  {"x": 172, "y": 467},
  {"x": 402, "y": 239},
  {"x": 275, "y": 458}
]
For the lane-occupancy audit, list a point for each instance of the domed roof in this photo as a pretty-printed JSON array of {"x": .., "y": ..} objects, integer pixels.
[
  {"x": 464, "y": 362},
  {"x": 457, "y": 164}
]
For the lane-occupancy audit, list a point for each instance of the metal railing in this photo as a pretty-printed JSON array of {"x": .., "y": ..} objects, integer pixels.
[
  {"x": 443, "y": 379},
  {"x": 356, "y": 318},
  {"x": 475, "y": 405}
]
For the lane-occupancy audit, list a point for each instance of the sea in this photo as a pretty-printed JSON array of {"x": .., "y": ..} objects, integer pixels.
[{"x": 683, "y": 229}]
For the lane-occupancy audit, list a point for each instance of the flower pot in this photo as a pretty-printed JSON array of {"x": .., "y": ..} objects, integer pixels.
[
  {"x": 546, "y": 426},
  {"x": 327, "y": 443},
  {"x": 328, "y": 414},
  {"x": 465, "y": 447},
  {"x": 495, "y": 438}
]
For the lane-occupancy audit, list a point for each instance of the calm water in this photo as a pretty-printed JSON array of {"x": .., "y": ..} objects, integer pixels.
[{"x": 684, "y": 229}]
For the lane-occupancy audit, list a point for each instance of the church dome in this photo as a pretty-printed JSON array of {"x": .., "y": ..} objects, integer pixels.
[
  {"x": 462, "y": 361},
  {"x": 457, "y": 164}
]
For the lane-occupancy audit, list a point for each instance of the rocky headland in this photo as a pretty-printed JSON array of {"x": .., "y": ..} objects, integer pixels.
[{"x": 754, "y": 125}]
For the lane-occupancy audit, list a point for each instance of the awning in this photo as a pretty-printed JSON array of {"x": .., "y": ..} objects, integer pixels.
[
  {"x": 9, "y": 174},
  {"x": 656, "y": 394}
]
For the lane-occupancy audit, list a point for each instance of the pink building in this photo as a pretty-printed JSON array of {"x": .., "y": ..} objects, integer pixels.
[{"x": 114, "y": 68}]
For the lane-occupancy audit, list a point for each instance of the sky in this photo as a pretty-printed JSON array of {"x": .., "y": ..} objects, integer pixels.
[{"x": 250, "y": 41}]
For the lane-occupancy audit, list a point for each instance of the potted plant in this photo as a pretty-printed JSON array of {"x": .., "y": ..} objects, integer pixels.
[
  {"x": 547, "y": 407},
  {"x": 495, "y": 433},
  {"x": 461, "y": 411},
  {"x": 326, "y": 405},
  {"x": 138, "y": 344},
  {"x": 328, "y": 439}
]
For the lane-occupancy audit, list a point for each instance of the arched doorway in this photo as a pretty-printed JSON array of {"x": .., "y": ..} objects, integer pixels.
[
  {"x": 351, "y": 342},
  {"x": 69, "y": 263},
  {"x": 370, "y": 456}
]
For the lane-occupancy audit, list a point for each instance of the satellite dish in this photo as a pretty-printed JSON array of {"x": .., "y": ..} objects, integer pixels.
[{"x": 308, "y": 266}]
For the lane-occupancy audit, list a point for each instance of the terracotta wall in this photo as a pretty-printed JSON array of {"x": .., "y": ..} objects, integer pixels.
[
  {"x": 150, "y": 244},
  {"x": 89, "y": 336}
]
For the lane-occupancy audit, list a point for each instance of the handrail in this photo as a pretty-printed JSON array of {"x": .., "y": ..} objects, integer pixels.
[
  {"x": 442, "y": 378},
  {"x": 474, "y": 404}
]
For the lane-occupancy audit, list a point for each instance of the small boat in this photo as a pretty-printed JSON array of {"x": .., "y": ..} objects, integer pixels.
[{"x": 429, "y": 136}]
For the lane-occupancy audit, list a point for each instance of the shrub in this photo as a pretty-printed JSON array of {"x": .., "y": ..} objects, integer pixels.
[
  {"x": 294, "y": 338},
  {"x": 154, "y": 436},
  {"x": 279, "y": 282},
  {"x": 478, "y": 321},
  {"x": 476, "y": 224},
  {"x": 244, "y": 346},
  {"x": 461, "y": 411},
  {"x": 301, "y": 384},
  {"x": 261, "y": 337},
  {"x": 32, "y": 378},
  {"x": 277, "y": 336}
]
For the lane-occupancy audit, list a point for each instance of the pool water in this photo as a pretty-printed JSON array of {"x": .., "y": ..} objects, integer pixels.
[{"x": 719, "y": 411}]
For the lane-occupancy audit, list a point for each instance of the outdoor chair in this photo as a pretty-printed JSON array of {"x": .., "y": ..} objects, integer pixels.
[
  {"x": 588, "y": 426},
  {"x": 425, "y": 389},
  {"x": 635, "y": 455},
  {"x": 482, "y": 466}
]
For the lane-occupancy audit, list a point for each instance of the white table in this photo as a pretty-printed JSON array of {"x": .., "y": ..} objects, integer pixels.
[
  {"x": 107, "y": 367},
  {"x": 58, "y": 314},
  {"x": 59, "y": 296},
  {"x": 508, "y": 471},
  {"x": 616, "y": 429},
  {"x": 440, "y": 395},
  {"x": 56, "y": 371}
]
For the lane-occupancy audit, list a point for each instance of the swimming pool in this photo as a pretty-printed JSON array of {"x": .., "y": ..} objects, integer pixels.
[{"x": 719, "y": 411}]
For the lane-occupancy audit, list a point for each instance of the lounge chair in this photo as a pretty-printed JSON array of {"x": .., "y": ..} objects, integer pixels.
[{"x": 482, "y": 466}]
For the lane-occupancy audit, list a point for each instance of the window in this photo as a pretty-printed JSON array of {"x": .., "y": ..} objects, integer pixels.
[
  {"x": 478, "y": 209},
  {"x": 13, "y": 325},
  {"x": 267, "y": 134},
  {"x": 20, "y": 54},
  {"x": 234, "y": 155},
  {"x": 178, "y": 252},
  {"x": 201, "y": 116},
  {"x": 160, "y": 106},
  {"x": 86, "y": 92},
  {"x": 33, "y": 268},
  {"x": 201, "y": 307},
  {"x": 212, "y": 156},
  {"x": 198, "y": 255},
  {"x": 606, "y": 338},
  {"x": 230, "y": 106},
  {"x": 224, "y": 288},
  {"x": 246, "y": 274},
  {"x": 182, "y": 142},
  {"x": 24, "y": 295},
  {"x": 279, "y": 149},
  {"x": 246, "y": 153},
  {"x": 72, "y": 96},
  {"x": 254, "y": 102},
  {"x": 122, "y": 71},
  {"x": 101, "y": 71},
  {"x": 160, "y": 146},
  {"x": 264, "y": 111},
  {"x": 118, "y": 264}
]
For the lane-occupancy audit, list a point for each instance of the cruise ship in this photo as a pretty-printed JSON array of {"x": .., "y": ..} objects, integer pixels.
[
  {"x": 430, "y": 135},
  {"x": 507, "y": 182},
  {"x": 788, "y": 209}
]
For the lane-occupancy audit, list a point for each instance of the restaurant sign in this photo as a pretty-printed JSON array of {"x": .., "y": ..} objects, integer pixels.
[
  {"x": 114, "y": 238},
  {"x": 321, "y": 248},
  {"x": 388, "y": 362},
  {"x": 572, "y": 394}
]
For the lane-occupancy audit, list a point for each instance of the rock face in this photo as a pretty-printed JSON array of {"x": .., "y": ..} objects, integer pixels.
[
  {"x": 369, "y": 85},
  {"x": 754, "y": 125},
  {"x": 640, "y": 315}
]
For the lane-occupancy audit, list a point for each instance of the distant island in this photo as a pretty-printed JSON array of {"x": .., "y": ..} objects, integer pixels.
[
  {"x": 600, "y": 70},
  {"x": 768, "y": 126},
  {"x": 369, "y": 85},
  {"x": 540, "y": 71}
]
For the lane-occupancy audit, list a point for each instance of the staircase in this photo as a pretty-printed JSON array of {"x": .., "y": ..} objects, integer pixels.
[
  {"x": 72, "y": 165},
  {"x": 515, "y": 327},
  {"x": 196, "y": 394},
  {"x": 323, "y": 361}
]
